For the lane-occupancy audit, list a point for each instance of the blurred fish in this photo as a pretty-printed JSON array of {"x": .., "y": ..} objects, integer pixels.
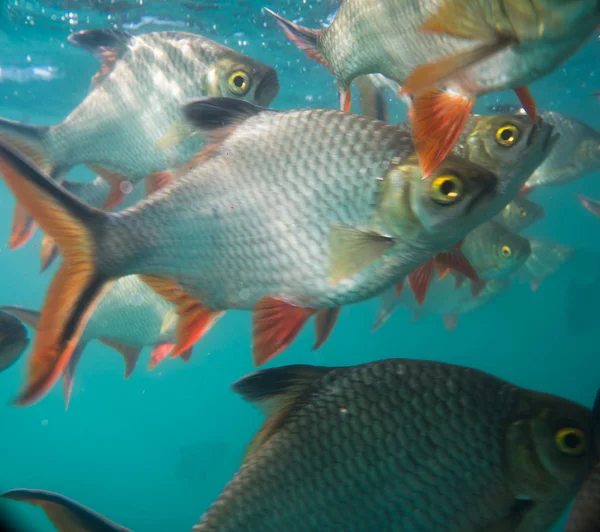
[
  {"x": 445, "y": 53},
  {"x": 545, "y": 260},
  {"x": 520, "y": 214},
  {"x": 129, "y": 316},
  {"x": 135, "y": 99},
  {"x": 591, "y": 205},
  {"x": 585, "y": 515},
  {"x": 13, "y": 340},
  {"x": 64, "y": 513},
  {"x": 94, "y": 193},
  {"x": 577, "y": 152},
  {"x": 281, "y": 219}
]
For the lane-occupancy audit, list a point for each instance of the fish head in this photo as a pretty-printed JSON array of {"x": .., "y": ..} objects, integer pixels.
[
  {"x": 445, "y": 206},
  {"x": 509, "y": 251},
  {"x": 551, "y": 19},
  {"x": 511, "y": 146},
  {"x": 238, "y": 76},
  {"x": 521, "y": 213},
  {"x": 550, "y": 447}
]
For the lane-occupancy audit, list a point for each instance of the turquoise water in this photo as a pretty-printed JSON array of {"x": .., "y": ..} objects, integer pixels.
[{"x": 152, "y": 452}]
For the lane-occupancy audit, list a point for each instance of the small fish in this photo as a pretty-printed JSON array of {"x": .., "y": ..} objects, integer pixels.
[
  {"x": 545, "y": 260},
  {"x": 585, "y": 515},
  {"x": 64, "y": 513},
  {"x": 520, "y": 214},
  {"x": 396, "y": 444},
  {"x": 292, "y": 214},
  {"x": 135, "y": 104},
  {"x": 13, "y": 340},
  {"x": 129, "y": 317},
  {"x": 591, "y": 205},
  {"x": 446, "y": 53}
]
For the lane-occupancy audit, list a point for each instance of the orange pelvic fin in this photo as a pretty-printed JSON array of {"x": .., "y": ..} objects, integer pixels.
[
  {"x": 325, "y": 321},
  {"x": 129, "y": 353},
  {"x": 305, "y": 39},
  {"x": 159, "y": 353},
  {"x": 528, "y": 103},
  {"x": 195, "y": 319},
  {"x": 23, "y": 228},
  {"x": 48, "y": 253},
  {"x": 275, "y": 326},
  {"x": 157, "y": 180},
  {"x": 455, "y": 259},
  {"x": 438, "y": 119},
  {"x": 118, "y": 185},
  {"x": 77, "y": 286},
  {"x": 65, "y": 514},
  {"x": 419, "y": 280},
  {"x": 345, "y": 98}
]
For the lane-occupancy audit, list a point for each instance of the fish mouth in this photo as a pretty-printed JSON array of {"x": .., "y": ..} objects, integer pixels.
[{"x": 267, "y": 89}]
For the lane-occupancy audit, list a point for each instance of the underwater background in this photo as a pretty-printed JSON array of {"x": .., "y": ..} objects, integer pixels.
[{"x": 152, "y": 452}]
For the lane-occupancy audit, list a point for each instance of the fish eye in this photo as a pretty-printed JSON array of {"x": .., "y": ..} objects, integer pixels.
[
  {"x": 447, "y": 189},
  {"x": 506, "y": 251},
  {"x": 523, "y": 212},
  {"x": 239, "y": 82},
  {"x": 570, "y": 441},
  {"x": 507, "y": 135}
]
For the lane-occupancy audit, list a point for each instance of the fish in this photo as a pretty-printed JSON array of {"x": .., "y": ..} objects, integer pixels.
[
  {"x": 446, "y": 53},
  {"x": 133, "y": 105},
  {"x": 13, "y": 340},
  {"x": 546, "y": 258},
  {"x": 577, "y": 152},
  {"x": 94, "y": 193},
  {"x": 396, "y": 444},
  {"x": 372, "y": 98},
  {"x": 590, "y": 204},
  {"x": 129, "y": 317},
  {"x": 520, "y": 214},
  {"x": 491, "y": 249},
  {"x": 65, "y": 513},
  {"x": 585, "y": 514},
  {"x": 292, "y": 214}
]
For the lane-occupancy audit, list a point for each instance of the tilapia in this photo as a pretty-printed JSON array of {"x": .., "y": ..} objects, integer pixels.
[
  {"x": 392, "y": 445},
  {"x": 129, "y": 317},
  {"x": 13, "y": 340},
  {"x": 546, "y": 259},
  {"x": 134, "y": 103},
  {"x": 292, "y": 214},
  {"x": 576, "y": 154},
  {"x": 493, "y": 251},
  {"x": 445, "y": 53},
  {"x": 520, "y": 214}
]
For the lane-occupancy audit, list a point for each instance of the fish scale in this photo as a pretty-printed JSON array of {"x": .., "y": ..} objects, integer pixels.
[{"x": 414, "y": 481}]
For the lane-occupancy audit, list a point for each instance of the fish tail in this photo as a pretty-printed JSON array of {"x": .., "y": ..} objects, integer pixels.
[
  {"x": 31, "y": 141},
  {"x": 304, "y": 38},
  {"x": 64, "y": 513},
  {"x": 79, "y": 282}
]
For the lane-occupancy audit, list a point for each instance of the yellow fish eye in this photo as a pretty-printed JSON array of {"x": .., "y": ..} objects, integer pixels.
[
  {"x": 507, "y": 135},
  {"x": 239, "y": 83},
  {"x": 506, "y": 251},
  {"x": 570, "y": 441},
  {"x": 522, "y": 212},
  {"x": 447, "y": 189}
]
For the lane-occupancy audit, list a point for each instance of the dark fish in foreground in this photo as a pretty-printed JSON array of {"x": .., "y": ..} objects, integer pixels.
[
  {"x": 13, "y": 340},
  {"x": 292, "y": 215},
  {"x": 403, "y": 445},
  {"x": 446, "y": 53},
  {"x": 65, "y": 514},
  {"x": 585, "y": 515},
  {"x": 134, "y": 102}
]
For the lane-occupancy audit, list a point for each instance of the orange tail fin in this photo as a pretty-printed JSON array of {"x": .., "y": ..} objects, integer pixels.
[{"x": 78, "y": 283}]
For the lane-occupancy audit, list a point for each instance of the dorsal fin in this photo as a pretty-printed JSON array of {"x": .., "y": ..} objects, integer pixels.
[
  {"x": 210, "y": 114},
  {"x": 278, "y": 391},
  {"x": 98, "y": 41}
]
